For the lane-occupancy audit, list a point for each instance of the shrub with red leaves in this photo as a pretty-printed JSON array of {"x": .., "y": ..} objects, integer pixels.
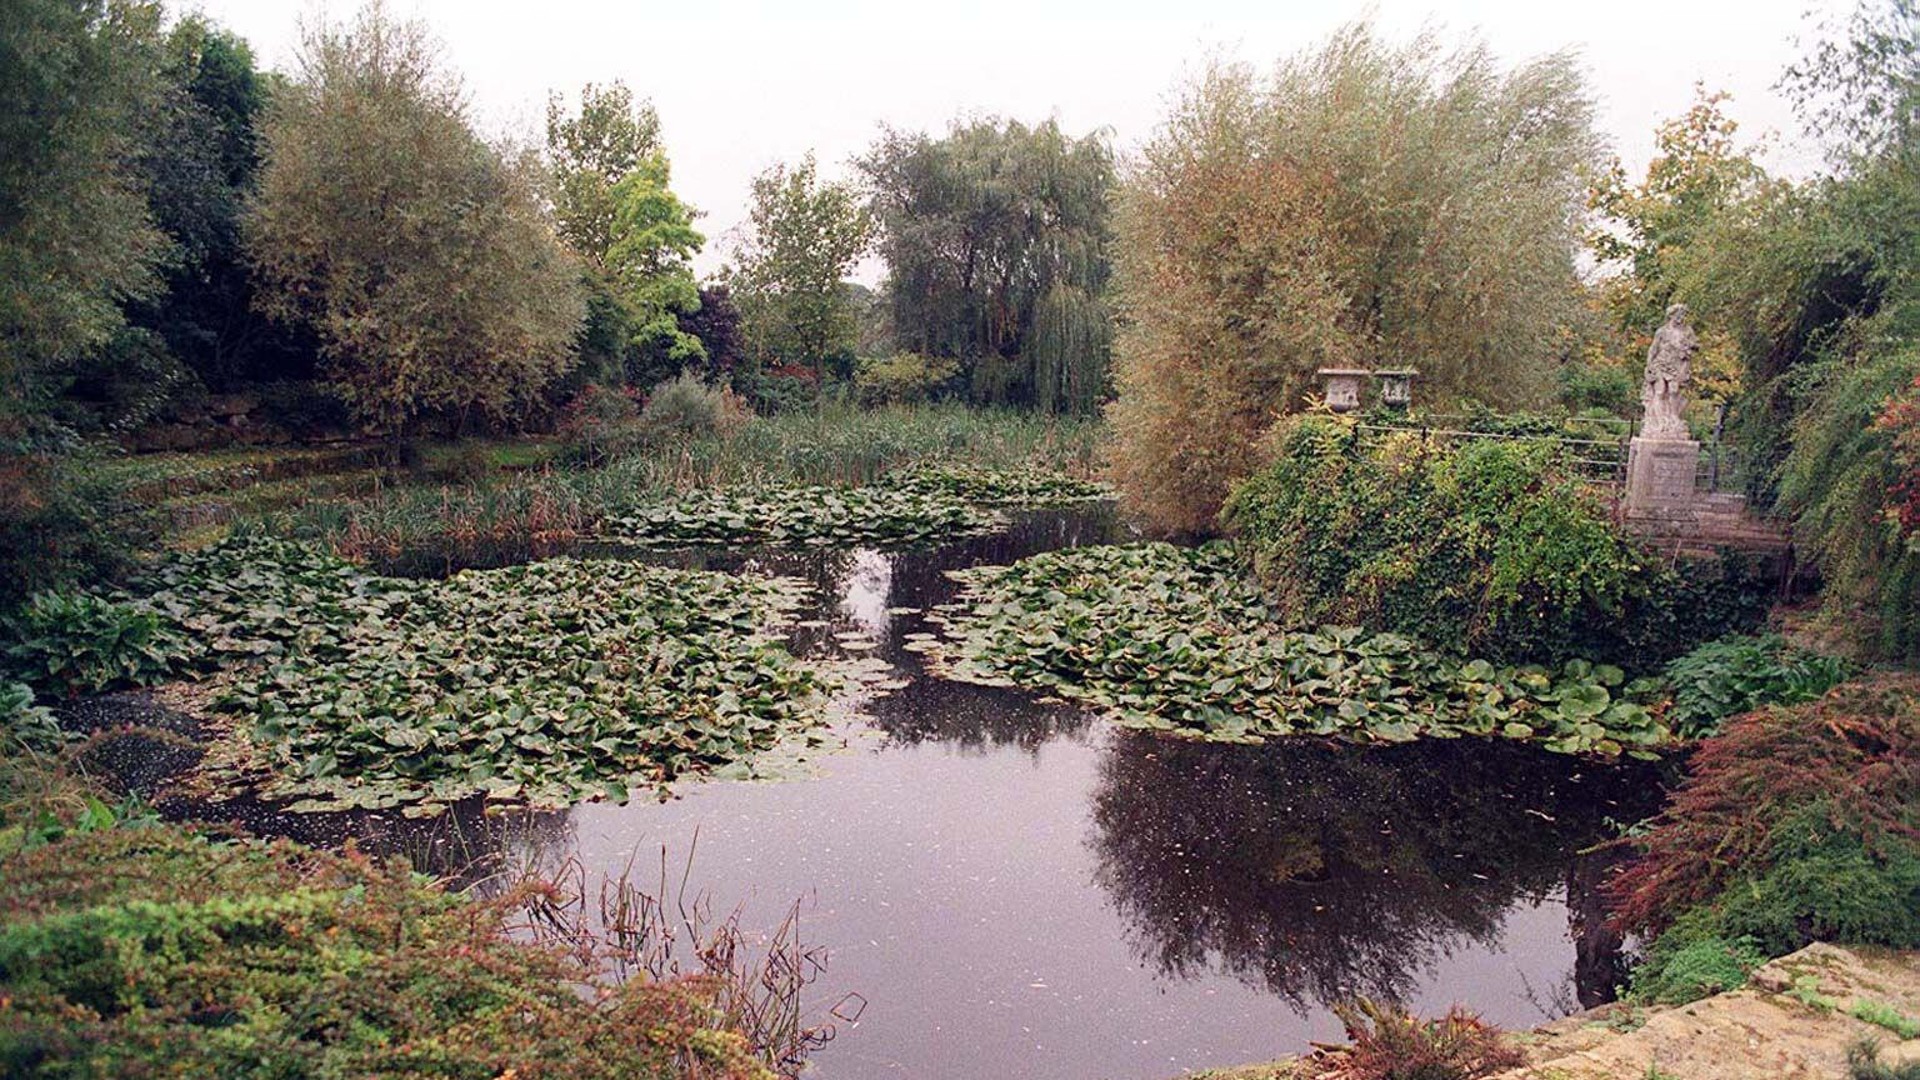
[
  {"x": 1853, "y": 756},
  {"x": 1390, "y": 1044}
]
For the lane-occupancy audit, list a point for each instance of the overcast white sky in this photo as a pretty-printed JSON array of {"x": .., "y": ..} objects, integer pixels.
[{"x": 742, "y": 85}]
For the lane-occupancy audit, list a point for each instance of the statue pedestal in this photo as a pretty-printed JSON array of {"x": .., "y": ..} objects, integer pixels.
[{"x": 1660, "y": 472}]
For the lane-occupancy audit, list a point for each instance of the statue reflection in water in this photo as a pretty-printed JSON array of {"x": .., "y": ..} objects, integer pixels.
[{"x": 1323, "y": 872}]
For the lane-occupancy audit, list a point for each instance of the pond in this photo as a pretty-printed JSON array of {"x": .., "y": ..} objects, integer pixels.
[{"x": 1016, "y": 889}]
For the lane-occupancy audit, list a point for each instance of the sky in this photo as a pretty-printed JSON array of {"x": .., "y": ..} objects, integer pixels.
[{"x": 743, "y": 85}]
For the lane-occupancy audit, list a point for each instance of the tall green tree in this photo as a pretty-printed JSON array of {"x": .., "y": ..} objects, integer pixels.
[
  {"x": 616, "y": 209},
  {"x": 203, "y": 163},
  {"x": 77, "y": 80},
  {"x": 1370, "y": 204},
  {"x": 591, "y": 152},
  {"x": 996, "y": 240},
  {"x": 421, "y": 256},
  {"x": 804, "y": 236}
]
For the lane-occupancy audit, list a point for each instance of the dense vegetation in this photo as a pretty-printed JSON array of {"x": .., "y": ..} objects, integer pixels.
[
  {"x": 1173, "y": 639},
  {"x": 148, "y": 951},
  {"x": 1497, "y": 547},
  {"x": 1811, "y": 815},
  {"x": 1336, "y": 216}
]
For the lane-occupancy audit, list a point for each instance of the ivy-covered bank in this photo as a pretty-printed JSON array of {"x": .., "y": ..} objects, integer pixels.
[
  {"x": 1177, "y": 639},
  {"x": 1497, "y": 547},
  {"x": 550, "y": 682}
]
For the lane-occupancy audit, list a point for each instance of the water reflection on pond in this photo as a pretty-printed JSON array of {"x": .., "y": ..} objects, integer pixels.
[{"x": 1018, "y": 890}]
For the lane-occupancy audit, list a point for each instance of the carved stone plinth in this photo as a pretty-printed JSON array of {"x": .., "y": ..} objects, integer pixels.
[{"x": 1660, "y": 472}]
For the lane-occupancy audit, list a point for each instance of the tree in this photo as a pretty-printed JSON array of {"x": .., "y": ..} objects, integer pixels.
[
  {"x": 1651, "y": 240},
  {"x": 996, "y": 240},
  {"x": 591, "y": 153},
  {"x": 617, "y": 211},
  {"x": 77, "y": 79},
  {"x": 419, "y": 255},
  {"x": 1369, "y": 205},
  {"x": 805, "y": 235},
  {"x": 202, "y": 164},
  {"x": 716, "y": 322}
]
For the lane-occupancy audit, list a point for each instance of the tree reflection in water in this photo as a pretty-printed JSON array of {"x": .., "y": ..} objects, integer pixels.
[{"x": 1326, "y": 872}]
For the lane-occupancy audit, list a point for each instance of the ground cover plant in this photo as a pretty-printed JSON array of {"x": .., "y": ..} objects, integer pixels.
[
  {"x": 155, "y": 951},
  {"x": 1177, "y": 639},
  {"x": 552, "y": 682},
  {"x": 1500, "y": 548},
  {"x": 1794, "y": 824},
  {"x": 1740, "y": 673}
]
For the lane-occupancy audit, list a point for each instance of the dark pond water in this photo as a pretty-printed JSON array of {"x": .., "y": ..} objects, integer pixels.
[{"x": 1019, "y": 890}]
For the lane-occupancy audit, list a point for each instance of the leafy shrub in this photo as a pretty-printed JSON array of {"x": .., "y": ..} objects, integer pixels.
[
  {"x": 63, "y": 517},
  {"x": 686, "y": 408},
  {"x": 77, "y": 643},
  {"x": 1682, "y": 967},
  {"x": 134, "y": 952},
  {"x": 786, "y": 388},
  {"x": 1795, "y": 823},
  {"x": 1389, "y": 1044},
  {"x": 599, "y": 424},
  {"x": 1881, "y": 1014},
  {"x": 906, "y": 379},
  {"x": 1494, "y": 547},
  {"x": 1610, "y": 388},
  {"x": 25, "y": 724},
  {"x": 1841, "y": 482},
  {"x": 1741, "y": 673}
]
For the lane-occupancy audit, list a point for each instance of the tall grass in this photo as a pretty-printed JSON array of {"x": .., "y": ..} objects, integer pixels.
[{"x": 838, "y": 446}]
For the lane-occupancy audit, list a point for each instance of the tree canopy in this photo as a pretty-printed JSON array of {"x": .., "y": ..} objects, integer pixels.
[
  {"x": 996, "y": 240},
  {"x": 1368, "y": 205},
  {"x": 804, "y": 235},
  {"x": 76, "y": 240},
  {"x": 420, "y": 255}
]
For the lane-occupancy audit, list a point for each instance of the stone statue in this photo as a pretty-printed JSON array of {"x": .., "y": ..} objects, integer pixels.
[{"x": 1669, "y": 370}]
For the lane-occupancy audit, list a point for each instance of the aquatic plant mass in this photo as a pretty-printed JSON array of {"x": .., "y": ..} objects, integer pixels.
[
  {"x": 909, "y": 507},
  {"x": 1176, "y": 639},
  {"x": 552, "y": 682}
]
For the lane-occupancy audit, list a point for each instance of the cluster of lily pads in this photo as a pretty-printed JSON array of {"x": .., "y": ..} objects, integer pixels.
[
  {"x": 910, "y": 507},
  {"x": 1176, "y": 639},
  {"x": 551, "y": 682},
  {"x": 798, "y": 515},
  {"x": 1011, "y": 488}
]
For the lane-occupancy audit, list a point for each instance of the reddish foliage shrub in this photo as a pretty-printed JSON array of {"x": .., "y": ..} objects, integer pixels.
[
  {"x": 1855, "y": 753},
  {"x": 1389, "y": 1044}
]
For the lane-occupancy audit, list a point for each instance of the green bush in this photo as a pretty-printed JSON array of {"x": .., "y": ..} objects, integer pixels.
[
  {"x": 153, "y": 951},
  {"x": 25, "y": 724},
  {"x": 63, "y": 517},
  {"x": 1495, "y": 547},
  {"x": 906, "y": 379},
  {"x": 1837, "y": 483},
  {"x": 1740, "y": 673},
  {"x": 685, "y": 408},
  {"x": 79, "y": 643},
  {"x": 1687, "y": 964}
]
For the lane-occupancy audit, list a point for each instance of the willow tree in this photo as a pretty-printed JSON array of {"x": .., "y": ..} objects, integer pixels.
[
  {"x": 420, "y": 255},
  {"x": 1369, "y": 204},
  {"x": 996, "y": 240}
]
